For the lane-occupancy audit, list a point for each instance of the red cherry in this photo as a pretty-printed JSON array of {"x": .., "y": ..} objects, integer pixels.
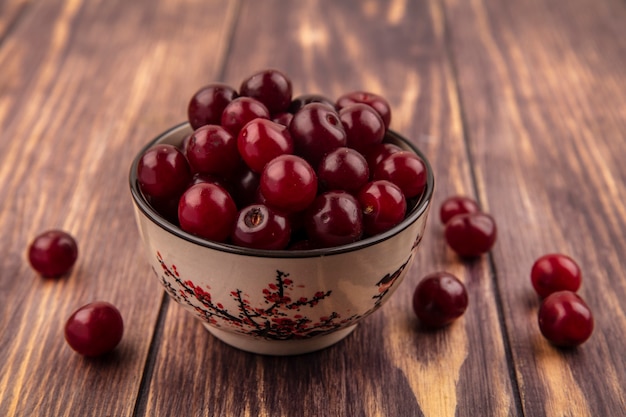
[
  {"x": 406, "y": 170},
  {"x": 207, "y": 210},
  {"x": 212, "y": 150},
  {"x": 380, "y": 104},
  {"x": 208, "y": 103},
  {"x": 334, "y": 219},
  {"x": 260, "y": 227},
  {"x": 288, "y": 183},
  {"x": 316, "y": 130},
  {"x": 471, "y": 235},
  {"x": 262, "y": 140},
  {"x": 163, "y": 172},
  {"x": 565, "y": 319},
  {"x": 439, "y": 299},
  {"x": 343, "y": 169},
  {"x": 241, "y": 111},
  {"x": 555, "y": 272},
  {"x": 383, "y": 205},
  {"x": 363, "y": 125},
  {"x": 53, "y": 253},
  {"x": 94, "y": 329},
  {"x": 270, "y": 87}
]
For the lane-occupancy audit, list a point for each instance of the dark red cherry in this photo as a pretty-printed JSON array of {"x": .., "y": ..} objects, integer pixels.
[
  {"x": 439, "y": 299},
  {"x": 363, "y": 125},
  {"x": 288, "y": 183},
  {"x": 208, "y": 103},
  {"x": 94, "y": 329},
  {"x": 383, "y": 205},
  {"x": 240, "y": 111},
  {"x": 262, "y": 140},
  {"x": 53, "y": 253},
  {"x": 270, "y": 87},
  {"x": 260, "y": 227},
  {"x": 207, "y": 210},
  {"x": 316, "y": 130},
  {"x": 380, "y": 104},
  {"x": 163, "y": 171},
  {"x": 406, "y": 170},
  {"x": 334, "y": 219},
  {"x": 471, "y": 235},
  {"x": 457, "y": 205},
  {"x": 212, "y": 150},
  {"x": 565, "y": 319},
  {"x": 555, "y": 272},
  {"x": 343, "y": 169}
]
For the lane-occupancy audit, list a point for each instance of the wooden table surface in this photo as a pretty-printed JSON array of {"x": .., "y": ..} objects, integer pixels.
[{"x": 521, "y": 105}]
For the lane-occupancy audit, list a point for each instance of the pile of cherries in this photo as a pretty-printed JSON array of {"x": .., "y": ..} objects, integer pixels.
[{"x": 266, "y": 170}]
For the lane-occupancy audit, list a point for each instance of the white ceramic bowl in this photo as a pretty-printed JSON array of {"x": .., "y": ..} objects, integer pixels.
[{"x": 278, "y": 302}]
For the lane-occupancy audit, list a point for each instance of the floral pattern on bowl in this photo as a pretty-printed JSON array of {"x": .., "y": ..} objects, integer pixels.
[{"x": 280, "y": 317}]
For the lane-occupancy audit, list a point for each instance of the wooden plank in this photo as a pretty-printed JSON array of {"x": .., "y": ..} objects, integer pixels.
[
  {"x": 388, "y": 366},
  {"x": 542, "y": 86},
  {"x": 10, "y": 13},
  {"x": 83, "y": 86}
]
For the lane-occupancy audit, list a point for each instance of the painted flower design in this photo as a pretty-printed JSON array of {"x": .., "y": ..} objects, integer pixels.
[{"x": 281, "y": 316}]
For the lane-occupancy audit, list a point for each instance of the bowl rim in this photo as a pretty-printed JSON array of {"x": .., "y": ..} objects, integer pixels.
[{"x": 147, "y": 210}]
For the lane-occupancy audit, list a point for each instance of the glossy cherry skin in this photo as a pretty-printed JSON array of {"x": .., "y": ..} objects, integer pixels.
[
  {"x": 565, "y": 319},
  {"x": 271, "y": 87},
  {"x": 163, "y": 172},
  {"x": 316, "y": 130},
  {"x": 439, "y": 299},
  {"x": 471, "y": 235},
  {"x": 334, "y": 219},
  {"x": 212, "y": 150},
  {"x": 343, "y": 169},
  {"x": 207, "y": 210},
  {"x": 208, "y": 103},
  {"x": 262, "y": 140},
  {"x": 406, "y": 170},
  {"x": 94, "y": 329},
  {"x": 457, "y": 205},
  {"x": 363, "y": 125},
  {"x": 53, "y": 253},
  {"x": 383, "y": 205},
  {"x": 288, "y": 183},
  {"x": 555, "y": 272},
  {"x": 240, "y": 111},
  {"x": 260, "y": 227},
  {"x": 379, "y": 103}
]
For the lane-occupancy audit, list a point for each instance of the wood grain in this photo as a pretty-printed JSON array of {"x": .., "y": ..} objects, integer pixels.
[
  {"x": 546, "y": 127},
  {"x": 519, "y": 104},
  {"x": 388, "y": 366},
  {"x": 84, "y": 85},
  {"x": 10, "y": 12}
]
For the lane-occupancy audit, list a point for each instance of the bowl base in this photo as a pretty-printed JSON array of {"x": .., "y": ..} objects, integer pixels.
[{"x": 279, "y": 347}]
